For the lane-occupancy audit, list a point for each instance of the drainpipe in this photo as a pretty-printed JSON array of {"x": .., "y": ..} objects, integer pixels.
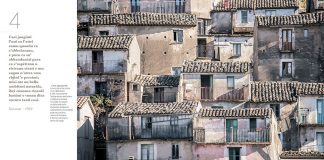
[{"x": 232, "y": 21}]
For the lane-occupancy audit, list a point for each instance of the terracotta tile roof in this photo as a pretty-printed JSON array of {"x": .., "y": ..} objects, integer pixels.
[
  {"x": 250, "y": 112},
  {"x": 302, "y": 155},
  {"x": 144, "y": 19},
  {"x": 215, "y": 67},
  {"x": 105, "y": 42},
  {"x": 301, "y": 19},
  {"x": 81, "y": 100},
  {"x": 256, "y": 4},
  {"x": 283, "y": 91},
  {"x": 124, "y": 109},
  {"x": 157, "y": 80}
]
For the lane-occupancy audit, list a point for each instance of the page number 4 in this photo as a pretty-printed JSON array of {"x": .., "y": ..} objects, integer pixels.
[{"x": 14, "y": 21}]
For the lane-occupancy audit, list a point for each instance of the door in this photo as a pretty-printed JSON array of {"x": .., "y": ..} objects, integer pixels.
[
  {"x": 320, "y": 141},
  {"x": 147, "y": 151},
  {"x": 146, "y": 127},
  {"x": 320, "y": 111},
  {"x": 231, "y": 130},
  {"x": 206, "y": 86},
  {"x": 158, "y": 95},
  {"x": 97, "y": 62},
  {"x": 202, "y": 48}
]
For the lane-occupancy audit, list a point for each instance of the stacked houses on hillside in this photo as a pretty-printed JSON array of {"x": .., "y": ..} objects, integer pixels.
[{"x": 207, "y": 79}]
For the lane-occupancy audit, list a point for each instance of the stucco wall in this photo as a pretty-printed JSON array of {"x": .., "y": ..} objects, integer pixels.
[
  {"x": 305, "y": 58},
  {"x": 225, "y": 43},
  {"x": 116, "y": 86},
  {"x": 162, "y": 149},
  {"x": 192, "y": 83},
  {"x": 85, "y": 143}
]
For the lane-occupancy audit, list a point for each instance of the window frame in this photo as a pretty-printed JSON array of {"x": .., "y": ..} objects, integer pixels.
[
  {"x": 235, "y": 156},
  {"x": 253, "y": 124},
  {"x": 107, "y": 33},
  {"x": 237, "y": 46},
  {"x": 178, "y": 36},
  {"x": 287, "y": 39},
  {"x": 149, "y": 148},
  {"x": 286, "y": 67},
  {"x": 175, "y": 151},
  {"x": 244, "y": 18},
  {"x": 229, "y": 79}
]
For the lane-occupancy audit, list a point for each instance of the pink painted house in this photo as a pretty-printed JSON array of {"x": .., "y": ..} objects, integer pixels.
[{"x": 235, "y": 134}]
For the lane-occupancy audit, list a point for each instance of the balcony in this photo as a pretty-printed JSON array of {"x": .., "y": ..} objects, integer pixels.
[
  {"x": 206, "y": 93},
  {"x": 154, "y": 7},
  {"x": 206, "y": 51},
  {"x": 97, "y": 6},
  {"x": 224, "y": 94},
  {"x": 305, "y": 119},
  {"x": 232, "y": 136},
  {"x": 162, "y": 97},
  {"x": 101, "y": 67},
  {"x": 154, "y": 132}
]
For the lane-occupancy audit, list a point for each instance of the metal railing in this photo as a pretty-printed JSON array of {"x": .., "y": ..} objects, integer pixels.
[
  {"x": 206, "y": 93},
  {"x": 163, "y": 6},
  {"x": 205, "y": 51},
  {"x": 152, "y": 132},
  {"x": 231, "y": 135},
  {"x": 304, "y": 119},
  {"x": 233, "y": 95},
  {"x": 84, "y": 5},
  {"x": 96, "y": 67}
]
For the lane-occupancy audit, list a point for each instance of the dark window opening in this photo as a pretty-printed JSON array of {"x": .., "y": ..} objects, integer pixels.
[
  {"x": 234, "y": 153},
  {"x": 175, "y": 151},
  {"x": 135, "y": 6},
  {"x": 97, "y": 62},
  {"x": 101, "y": 88},
  {"x": 253, "y": 124},
  {"x": 178, "y": 36},
  {"x": 206, "y": 86},
  {"x": 104, "y": 33},
  {"x": 135, "y": 87},
  {"x": 286, "y": 69},
  {"x": 286, "y": 39},
  {"x": 244, "y": 16},
  {"x": 158, "y": 95},
  {"x": 276, "y": 109}
]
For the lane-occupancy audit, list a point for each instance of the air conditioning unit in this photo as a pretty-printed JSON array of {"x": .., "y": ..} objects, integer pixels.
[{"x": 131, "y": 158}]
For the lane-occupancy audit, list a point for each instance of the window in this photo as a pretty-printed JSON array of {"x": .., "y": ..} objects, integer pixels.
[
  {"x": 147, "y": 152},
  {"x": 176, "y": 71},
  {"x": 320, "y": 111},
  {"x": 86, "y": 127},
  {"x": 234, "y": 153},
  {"x": 286, "y": 39},
  {"x": 178, "y": 36},
  {"x": 179, "y": 6},
  {"x": 305, "y": 33},
  {"x": 101, "y": 88},
  {"x": 146, "y": 122},
  {"x": 320, "y": 141},
  {"x": 103, "y": 33},
  {"x": 276, "y": 109},
  {"x": 230, "y": 82},
  {"x": 202, "y": 25},
  {"x": 135, "y": 6},
  {"x": 135, "y": 87},
  {"x": 175, "y": 151},
  {"x": 174, "y": 120},
  {"x": 236, "y": 49},
  {"x": 97, "y": 62},
  {"x": 253, "y": 124},
  {"x": 217, "y": 107},
  {"x": 270, "y": 12},
  {"x": 244, "y": 16},
  {"x": 286, "y": 69}
]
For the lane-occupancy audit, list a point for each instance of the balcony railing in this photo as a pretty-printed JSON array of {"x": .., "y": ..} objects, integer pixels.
[
  {"x": 163, "y": 6},
  {"x": 224, "y": 94},
  {"x": 205, "y": 51},
  {"x": 206, "y": 93},
  {"x": 231, "y": 135},
  {"x": 96, "y": 67},
  {"x": 153, "y": 132},
  {"x": 94, "y": 6},
  {"x": 163, "y": 97},
  {"x": 304, "y": 119},
  {"x": 316, "y": 148}
]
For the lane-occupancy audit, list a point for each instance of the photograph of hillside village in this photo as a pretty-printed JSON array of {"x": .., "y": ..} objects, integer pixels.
[{"x": 200, "y": 79}]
